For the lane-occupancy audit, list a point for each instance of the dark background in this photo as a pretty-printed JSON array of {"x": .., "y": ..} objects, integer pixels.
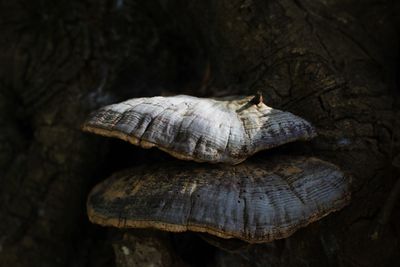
[{"x": 333, "y": 62}]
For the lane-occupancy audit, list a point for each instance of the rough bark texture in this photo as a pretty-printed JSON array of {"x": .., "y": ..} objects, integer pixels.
[
  {"x": 334, "y": 63},
  {"x": 144, "y": 249}
]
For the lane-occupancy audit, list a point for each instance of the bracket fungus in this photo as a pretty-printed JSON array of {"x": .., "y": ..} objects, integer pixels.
[
  {"x": 200, "y": 129},
  {"x": 256, "y": 201}
]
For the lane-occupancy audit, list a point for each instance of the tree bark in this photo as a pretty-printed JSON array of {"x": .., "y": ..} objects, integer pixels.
[{"x": 334, "y": 63}]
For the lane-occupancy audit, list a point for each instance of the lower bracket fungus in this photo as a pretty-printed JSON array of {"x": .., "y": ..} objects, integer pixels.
[{"x": 256, "y": 201}]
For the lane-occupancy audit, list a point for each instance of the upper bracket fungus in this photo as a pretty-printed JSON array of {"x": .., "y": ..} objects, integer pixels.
[{"x": 200, "y": 129}]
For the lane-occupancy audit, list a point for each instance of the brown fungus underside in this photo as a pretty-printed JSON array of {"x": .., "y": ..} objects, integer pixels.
[
  {"x": 201, "y": 129},
  {"x": 256, "y": 201}
]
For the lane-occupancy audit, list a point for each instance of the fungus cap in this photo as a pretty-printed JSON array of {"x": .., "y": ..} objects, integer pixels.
[
  {"x": 200, "y": 129},
  {"x": 257, "y": 201}
]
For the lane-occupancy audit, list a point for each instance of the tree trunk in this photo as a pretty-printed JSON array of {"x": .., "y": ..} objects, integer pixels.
[{"x": 335, "y": 63}]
